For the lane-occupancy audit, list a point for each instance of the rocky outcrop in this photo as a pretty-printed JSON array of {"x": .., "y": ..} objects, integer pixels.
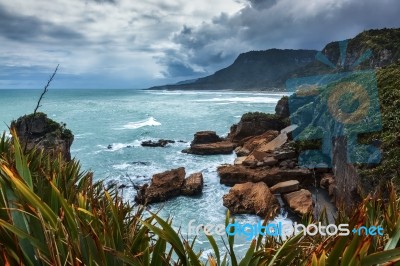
[
  {"x": 162, "y": 187},
  {"x": 286, "y": 187},
  {"x": 282, "y": 107},
  {"x": 238, "y": 174},
  {"x": 251, "y": 198},
  {"x": 169, "y": 184},
  {"x": 209, "y": 143},
  {"x": 193, "y": 185},
  {"x": 158, "y": 143},
  {"x": 45, "y": 134},
  {"x": 300, "y": 201},
  {"x": 254, "y": 124},
  {"x": 247, "y": 145}
]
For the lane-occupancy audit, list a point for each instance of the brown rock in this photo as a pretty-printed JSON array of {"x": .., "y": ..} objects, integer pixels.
[
  {"x": 270, "y": 161},
  {"x": 251, "y": 143},
  {"x": 327, "y": 180},
  {"x": 238, "y": 174},
  {"x": 299, "y": 201},
  {"x": 204, "y": 137},
  {"x": 253, "y": 124},
  {"x": 251, "y": 198},
  {"x": 193, "y": 185},
  {"x": 162, "y": 187},
  {"x": 239, "y": 160},
  {"x": 221, "y": 147},
  {"x": 286, "y": 187}
]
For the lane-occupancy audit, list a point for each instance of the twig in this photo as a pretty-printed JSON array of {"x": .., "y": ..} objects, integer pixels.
[{"x": 46, "y": 89}]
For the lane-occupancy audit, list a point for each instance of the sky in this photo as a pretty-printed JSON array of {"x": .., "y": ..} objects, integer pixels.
[{"x": 138, "y": 44}]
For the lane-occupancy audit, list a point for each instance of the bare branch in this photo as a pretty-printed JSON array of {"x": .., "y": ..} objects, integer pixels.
[{"x": 46, "y": 89}]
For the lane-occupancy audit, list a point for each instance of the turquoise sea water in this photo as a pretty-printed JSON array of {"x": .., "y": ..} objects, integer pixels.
[{"x": 124, "y": 118}]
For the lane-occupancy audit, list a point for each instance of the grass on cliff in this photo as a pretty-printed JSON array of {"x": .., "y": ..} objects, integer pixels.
[{"x": 52, "y": 213}]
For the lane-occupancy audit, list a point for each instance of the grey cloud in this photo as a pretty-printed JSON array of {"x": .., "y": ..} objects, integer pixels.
[
  {"x": 268, "y": 24},
  {"x": 29, "y": 28}
]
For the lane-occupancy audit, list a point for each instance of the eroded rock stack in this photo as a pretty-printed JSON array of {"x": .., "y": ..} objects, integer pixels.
[
  {"x": 209, "y": 143},
  {"x": 39, "y": 131}
]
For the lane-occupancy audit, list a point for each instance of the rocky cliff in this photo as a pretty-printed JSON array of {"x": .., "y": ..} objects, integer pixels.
[
  {"x": 269, "y": 70},
  {"x": 39, "y": 131}
]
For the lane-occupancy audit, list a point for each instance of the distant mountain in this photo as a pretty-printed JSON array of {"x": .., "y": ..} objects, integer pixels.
[{"x": 268, "y": 70}]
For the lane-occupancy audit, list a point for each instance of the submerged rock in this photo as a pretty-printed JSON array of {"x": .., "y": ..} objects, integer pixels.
[
  {"x": 45, "y": 134},
  {"x": 251, "y": 198},
  {"x": 158, "y": 143}
]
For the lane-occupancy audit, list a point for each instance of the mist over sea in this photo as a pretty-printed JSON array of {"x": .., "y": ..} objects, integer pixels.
[{"x": 124, "y": 118}]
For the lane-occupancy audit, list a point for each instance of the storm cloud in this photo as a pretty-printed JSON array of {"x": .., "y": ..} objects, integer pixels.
[{"x": 127, "y": 44}]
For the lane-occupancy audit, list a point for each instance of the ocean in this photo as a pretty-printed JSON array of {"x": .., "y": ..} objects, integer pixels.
[{"x": 125, "y": 118}]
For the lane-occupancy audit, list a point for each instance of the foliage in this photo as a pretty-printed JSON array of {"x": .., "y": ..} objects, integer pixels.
[
  {"x": 252, "y": 116},
  {"x": 51, "y": 213}
]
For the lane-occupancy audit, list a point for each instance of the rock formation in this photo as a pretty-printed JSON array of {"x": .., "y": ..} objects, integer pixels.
[
  {"x": 300, "y": 201},
  {"x": 158, "y": 143},
  {"x": 252, "y": 198},
  {"x": 193, "y": 185},
  {"x": 209, "y": 143},
  {"x": 254, "y": 124},
  {"x": 45, "y": 134},
  {"x": 169, "y": 184}
]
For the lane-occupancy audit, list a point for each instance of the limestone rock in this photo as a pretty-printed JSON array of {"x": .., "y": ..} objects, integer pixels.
[
  {"x": 286, "y": 186},
  {"x": 300, "y": 201},
  {"x": 45, "y": 134},
  {"x": 162, "y": 187},
  {"x": 251, "y": 198},
  {"x": 193, "y": 185}
]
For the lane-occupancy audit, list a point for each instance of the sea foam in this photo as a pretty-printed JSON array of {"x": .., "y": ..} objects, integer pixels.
[{"x": 151, "y": 121}]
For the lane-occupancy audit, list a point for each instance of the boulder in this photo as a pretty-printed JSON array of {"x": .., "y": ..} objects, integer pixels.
[
  {"x": 282, "y": 107},
  {"x": 162, "y": 187},
  {"x": 300, "y": 201},
  {"x": 193, "y": 185},
  {"x": 158, "y": 143},
  {"x": 286, "y": 187},
  {"x": 221, "y": 147},
  {"x": 238, "y": 174},
  {"x": 37, "y": 130},
  {"x": 251, "y": 198},
  {"x": 253, "y": 124}
]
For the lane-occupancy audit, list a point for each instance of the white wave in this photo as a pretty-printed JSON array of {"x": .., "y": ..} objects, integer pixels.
[
  {"x": 119, "y": 146},
  {"x": 151, "y": 121},
  {"x": 122, "y": 166},
  {"x": 241, "y": 100}
]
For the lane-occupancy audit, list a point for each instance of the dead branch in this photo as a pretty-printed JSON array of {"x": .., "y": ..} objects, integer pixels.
[{"x": 46, "y": 89}]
